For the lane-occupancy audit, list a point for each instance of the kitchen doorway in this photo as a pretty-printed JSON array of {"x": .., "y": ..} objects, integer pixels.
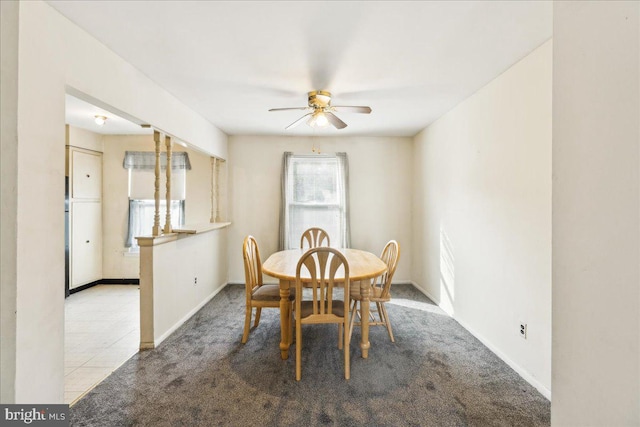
[{"x": 102, "y": 305}]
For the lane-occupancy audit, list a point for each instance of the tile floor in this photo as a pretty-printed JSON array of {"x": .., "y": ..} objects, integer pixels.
[{"x": 102, "y": 331}]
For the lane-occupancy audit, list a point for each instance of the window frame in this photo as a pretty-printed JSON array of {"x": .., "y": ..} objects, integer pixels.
[{"x": 339, "y": 238}]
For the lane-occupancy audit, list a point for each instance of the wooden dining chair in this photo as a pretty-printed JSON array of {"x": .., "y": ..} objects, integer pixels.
[
  {"x": 314, "y": 237},
  {"x": 258, "y": 294},
  {"x": 322, "y": 264},
  {"x": 380, "y": 291}
]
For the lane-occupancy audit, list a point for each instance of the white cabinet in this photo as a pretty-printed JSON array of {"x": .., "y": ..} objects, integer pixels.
[
  {"x": 86, "y": 170},
  {"x": 86, "y": 243},
  {"x": 85, "y": 216}
]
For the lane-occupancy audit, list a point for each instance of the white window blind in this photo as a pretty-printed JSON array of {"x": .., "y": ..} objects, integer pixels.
[
  {"x": 141, "y": 213},
  {"x": 142, "y": 184}
]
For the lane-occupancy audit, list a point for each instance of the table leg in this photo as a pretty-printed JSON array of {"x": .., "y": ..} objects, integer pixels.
[
  {"x": 365, "y": 292},
  {"x": 285, "y": 320}
]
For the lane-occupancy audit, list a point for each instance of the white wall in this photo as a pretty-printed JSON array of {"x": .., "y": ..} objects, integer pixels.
[
  {"x": 84, "y": 139},
  {"x": 54, "y": 54},
  {"x": 482, "y": 214},
  {"x": 117, "y": 262},
  {"x": 198, "y": 202},
  {"x": 596, "y": 233},
  {"x": 380, "y": 193},
  {"x": 8, "y": 195},
  {"x": 115, "y": 215},
  {"x": 169, "y": 291}
]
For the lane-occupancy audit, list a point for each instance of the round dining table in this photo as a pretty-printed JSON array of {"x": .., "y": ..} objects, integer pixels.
[{"x": 363, "y": 266}]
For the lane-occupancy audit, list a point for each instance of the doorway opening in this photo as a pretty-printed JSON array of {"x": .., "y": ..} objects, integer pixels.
[{"x": 102, "y": 305}]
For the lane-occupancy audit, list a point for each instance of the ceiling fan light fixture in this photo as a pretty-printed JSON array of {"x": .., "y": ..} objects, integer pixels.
[
  {"x": 318, "y": 120},
  {"x": 100, "y": 120}
]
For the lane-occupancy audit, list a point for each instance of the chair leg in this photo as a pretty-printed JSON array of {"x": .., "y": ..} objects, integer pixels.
[
  {"x": 291, "y": 323},
  {"x": 298, "y": 351},
  {"x": 258, "y": 311},
  {"x": 387, "y": 321},
  {"x": 347, "y": 367},
  {"x": 353, "y": 318},
  {"x": 380, "y": 312},
  {"x": 340, "y": 333},
  {"x": 247, "y": 323}
]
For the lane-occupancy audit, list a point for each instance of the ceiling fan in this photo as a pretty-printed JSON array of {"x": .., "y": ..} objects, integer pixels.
[{"x": 321, "y": 111}]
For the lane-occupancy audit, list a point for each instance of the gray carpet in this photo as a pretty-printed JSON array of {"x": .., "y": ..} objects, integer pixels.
[{"x": 436, "y": 374}]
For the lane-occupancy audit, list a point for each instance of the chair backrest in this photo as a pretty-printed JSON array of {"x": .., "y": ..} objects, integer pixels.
[
  {"x": 252, "y": 265},
  {"x": 315, "y": 237},
  {"x": 390, "y": 256},
  {"x": 323, "y": 264}
]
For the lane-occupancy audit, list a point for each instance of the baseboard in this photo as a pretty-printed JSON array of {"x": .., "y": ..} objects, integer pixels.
[
  {"x": 424, "y": 291},
  {"x": 83, "y": 287},
  {"x": 158, "y": 341},
  {"x": 428, "y": 295},
  {"x": 523, "y": 373},
  {"x": 120, "y": 281},
  {"x": 105, "y": 282},
  {"x": 519, "y": 370}
]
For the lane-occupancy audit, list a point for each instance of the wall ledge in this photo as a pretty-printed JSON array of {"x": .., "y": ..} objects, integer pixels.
[
  {"x": 201, "y": 228},
  {"x": 145, "y": 241}
]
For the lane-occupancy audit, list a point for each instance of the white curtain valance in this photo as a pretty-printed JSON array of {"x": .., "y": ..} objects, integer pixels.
[{"x": 147, "y": 160}]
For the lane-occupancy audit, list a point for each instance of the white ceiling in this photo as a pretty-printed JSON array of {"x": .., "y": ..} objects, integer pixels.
[
  {"x": 410, "y": 62},
  {"x": 82, "y": 114}
]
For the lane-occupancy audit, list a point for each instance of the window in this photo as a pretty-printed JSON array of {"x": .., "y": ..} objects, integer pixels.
[
  {"x": 141, "y": 166},
  {"x": 141, "y": 214},
  {"x": 314, "y": 193}
]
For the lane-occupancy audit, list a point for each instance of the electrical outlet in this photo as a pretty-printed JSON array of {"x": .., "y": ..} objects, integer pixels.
[{"x": 523, "y": 330}]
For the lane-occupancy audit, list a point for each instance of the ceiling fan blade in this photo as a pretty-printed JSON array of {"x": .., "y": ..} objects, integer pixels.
[
  {"x": 335, "y": 121},
  {"x": 352, "y": 109},
  {"x": 290, "y": 108},
  {"x": 297, "y": 122}
]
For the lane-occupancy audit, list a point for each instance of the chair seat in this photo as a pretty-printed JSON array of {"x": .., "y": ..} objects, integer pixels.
[
  {"x": 270, "y": 293},
  {"x": 375, "y": 296},
  {"x": 306, "y": 308}
]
